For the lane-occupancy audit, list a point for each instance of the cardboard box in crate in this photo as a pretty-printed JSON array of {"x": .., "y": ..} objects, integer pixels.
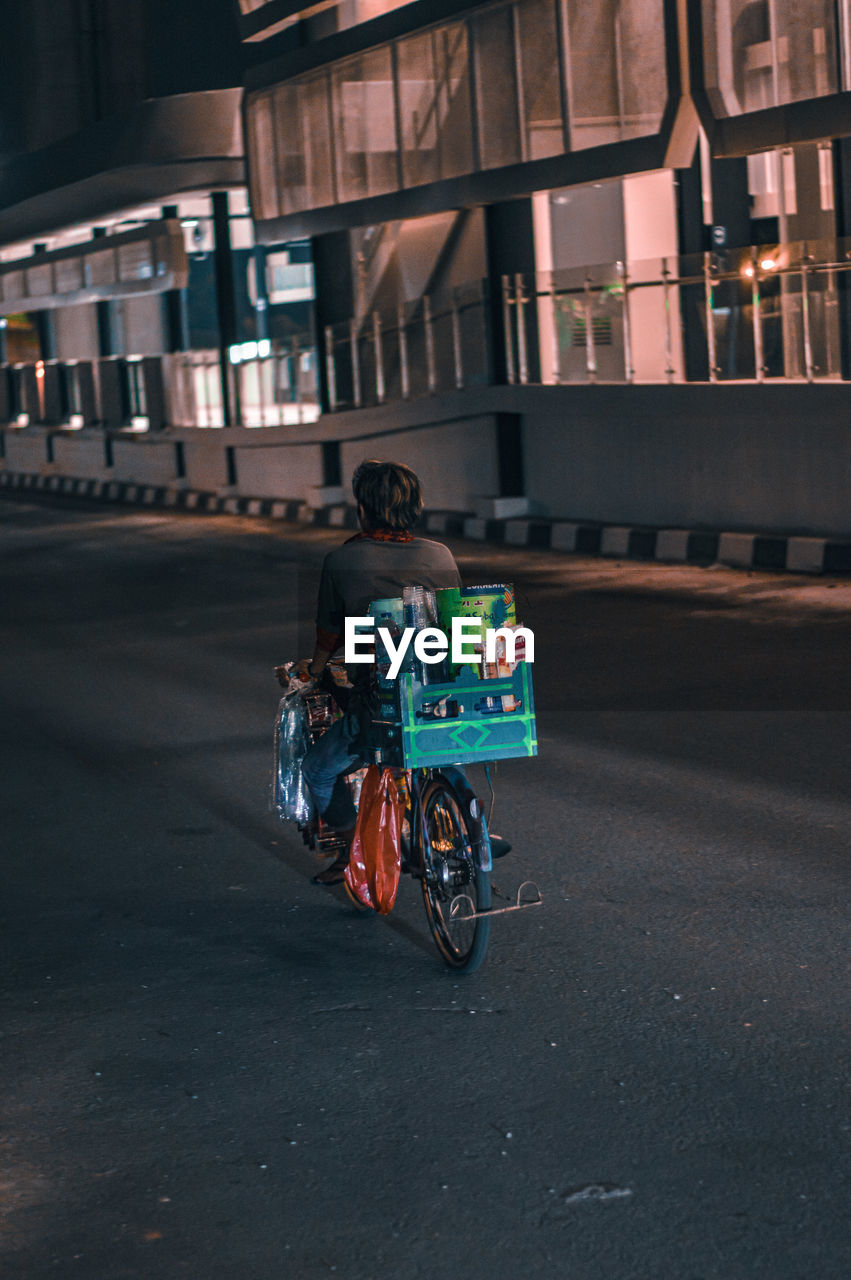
[{"x": 413, "y": 741}]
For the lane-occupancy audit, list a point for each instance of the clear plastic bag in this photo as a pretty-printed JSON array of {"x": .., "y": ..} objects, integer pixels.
[{"x": 290, "y": 798}]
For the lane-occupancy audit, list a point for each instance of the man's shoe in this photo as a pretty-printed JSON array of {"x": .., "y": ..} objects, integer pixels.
[
  {"x": 333, "y": 874},
  {"x": 499, "y": 847}
]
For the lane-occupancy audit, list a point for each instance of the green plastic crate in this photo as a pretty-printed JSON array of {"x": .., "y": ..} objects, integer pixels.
[{"x": 473, "y": 736}]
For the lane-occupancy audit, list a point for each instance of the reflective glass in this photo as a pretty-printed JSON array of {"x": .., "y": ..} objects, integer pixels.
[
  {"x": 496, "y": 88},
  {"x": 616, "y": 69},
  {"x": 261, "y": 156},
  {"x": 541, "y": 92},
  {"x": 456, "y": 126},
  {"x": 315, "y": 123},
  {"x": 767, "y": 52},
  {"x": 418, "y": 109},
  {"x": 364, "y": 125},
  {"x": 289, "y": 149}
]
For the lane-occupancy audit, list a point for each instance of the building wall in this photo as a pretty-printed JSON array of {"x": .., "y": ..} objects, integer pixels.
[
  {"x": 772, "y": 459},
  {"x": 768, "y": 459}
]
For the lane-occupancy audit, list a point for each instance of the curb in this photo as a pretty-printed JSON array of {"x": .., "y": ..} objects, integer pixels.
[{"x": 792, "y": 553}]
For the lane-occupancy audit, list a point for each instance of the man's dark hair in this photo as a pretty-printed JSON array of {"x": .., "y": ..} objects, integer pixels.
[{"x": 389, "y": 494}]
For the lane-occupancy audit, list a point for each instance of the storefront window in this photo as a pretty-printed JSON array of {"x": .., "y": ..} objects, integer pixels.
[
  {"x": 616, "y": 69},
  {"x": 762, "y": 53}
]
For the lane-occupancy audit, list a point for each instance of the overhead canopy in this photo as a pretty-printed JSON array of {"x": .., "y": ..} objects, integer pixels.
[
  {"x": 148, "y": 259},
  {"x": 189, "y": 142}
]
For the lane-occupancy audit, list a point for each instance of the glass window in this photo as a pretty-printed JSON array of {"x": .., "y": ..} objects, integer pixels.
[
  {"x": 418, "y": 109},
  {"x": 365, "y": 125},
  {"x": 290, "y": 184},
  {"x": 456, "y": 124},
  {"x": 539, "y": 55},
  {"x": 261, "y": 156},
  {"x": 496, "y": 88},
  {"x": 434, "y": 105},
  {"x": 763, "y": 53},
  {"x": 315, "y": 124},
  {"x": 616, "y": 69}
]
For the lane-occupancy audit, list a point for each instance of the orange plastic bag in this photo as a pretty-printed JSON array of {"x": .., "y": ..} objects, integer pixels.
[{"x": 375, "y": 863}]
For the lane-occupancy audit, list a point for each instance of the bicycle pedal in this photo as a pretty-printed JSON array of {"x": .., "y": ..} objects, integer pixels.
[{"x": 499, "y": 847}]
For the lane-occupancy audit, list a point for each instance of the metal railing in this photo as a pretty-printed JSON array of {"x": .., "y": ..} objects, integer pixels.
[
  {"x": 271, "y": 385},
  {"x": 751, "y": 314},
  {"x": 435, "y": 343}
]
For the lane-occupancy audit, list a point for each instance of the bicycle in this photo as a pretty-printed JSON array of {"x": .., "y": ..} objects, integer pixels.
[{"x": 445, "y": 840}]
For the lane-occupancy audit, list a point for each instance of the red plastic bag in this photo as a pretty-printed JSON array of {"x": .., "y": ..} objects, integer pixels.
[{"x": 375, "y": 863}]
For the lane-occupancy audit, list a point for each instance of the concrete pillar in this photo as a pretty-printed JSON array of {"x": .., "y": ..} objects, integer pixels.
[
  {"x": 842, "y": 200},
  {"x": 335, "y": 304},
  {"x": 44, "y": 321},
  {"x": 175, "y": 318},
  {"x": 731, "y": 210},
  {"x": 510, "y": 250},
  {"x": 107, "y": 343},
  {"x": 225, "y": 306},
  {"x": 692, "y": 244},
  {"x": 261, "y": 306}
]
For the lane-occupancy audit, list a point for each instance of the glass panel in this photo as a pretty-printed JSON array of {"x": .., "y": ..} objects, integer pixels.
[
  {"x": 328, "y": 16},
  {"x": 261, "y": 157},
  {"x": 822, "y": 296},
  {"x": 289, "y": 150},
  {"x": 616, "y": 69},
  {"x": 496, "y": 88},
  {"x": 434, "y": 102},
  {"x": 470, "y": 301},
  {"x": 418, "y": 108},
  {"x": 539, "y": 52},
  {"x": 417, "y": 348},
  {"x": 39, "y": 280},
  {"x": 69, "y": 275},
  {"x": 456, "y": 125},
  {"x": 765, "y": 52},
  {"x": 315, "y": 122},
  {"x": 135, "y": 261},
  {"x": 806, "y": 49},
  {"x": 100, "y": 267},
  {"x": 365, "y": 125},
  {"x": 14, "y": 288}
]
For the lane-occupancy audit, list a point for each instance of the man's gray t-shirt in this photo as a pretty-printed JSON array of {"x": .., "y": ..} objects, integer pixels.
[{"x": 367, "y": 569}]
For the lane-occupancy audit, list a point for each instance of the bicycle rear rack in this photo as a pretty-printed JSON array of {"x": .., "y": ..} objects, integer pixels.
[{"x": 460, "y": 899}]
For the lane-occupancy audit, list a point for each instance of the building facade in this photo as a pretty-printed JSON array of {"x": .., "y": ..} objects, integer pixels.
[{"x": 582, "y": 258}]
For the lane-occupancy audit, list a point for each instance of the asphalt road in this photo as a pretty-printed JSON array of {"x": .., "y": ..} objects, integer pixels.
[{"x": 211, "y": 1068}]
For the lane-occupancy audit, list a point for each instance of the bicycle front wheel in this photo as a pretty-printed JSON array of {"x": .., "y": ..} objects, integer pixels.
[{"x": 455, "y": 887}]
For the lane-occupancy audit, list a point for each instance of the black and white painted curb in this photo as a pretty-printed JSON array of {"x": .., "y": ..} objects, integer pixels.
[{"x": 682, "y": 546}]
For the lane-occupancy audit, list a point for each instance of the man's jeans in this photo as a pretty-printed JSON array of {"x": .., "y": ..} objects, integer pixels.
[{"x": 333, "y": 755}]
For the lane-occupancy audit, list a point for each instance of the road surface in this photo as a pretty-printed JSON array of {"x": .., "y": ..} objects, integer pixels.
[{"x": 211, "y": 1068}]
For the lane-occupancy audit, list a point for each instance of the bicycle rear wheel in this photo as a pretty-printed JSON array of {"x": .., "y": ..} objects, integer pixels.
[{"x": 455, "y": 887}]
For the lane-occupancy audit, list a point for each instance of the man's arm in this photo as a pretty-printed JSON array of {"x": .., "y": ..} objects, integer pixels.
[{"x": 329, "y": 612}]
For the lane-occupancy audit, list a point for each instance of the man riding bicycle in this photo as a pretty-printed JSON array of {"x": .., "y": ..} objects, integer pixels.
[{"x": 377, "y": 563}]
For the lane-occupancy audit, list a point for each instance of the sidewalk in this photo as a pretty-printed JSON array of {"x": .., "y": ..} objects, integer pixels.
[{"x": 744, "y": 550}]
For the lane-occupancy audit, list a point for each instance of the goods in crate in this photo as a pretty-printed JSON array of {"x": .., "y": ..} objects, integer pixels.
[{"x": 452, "y": 712}]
